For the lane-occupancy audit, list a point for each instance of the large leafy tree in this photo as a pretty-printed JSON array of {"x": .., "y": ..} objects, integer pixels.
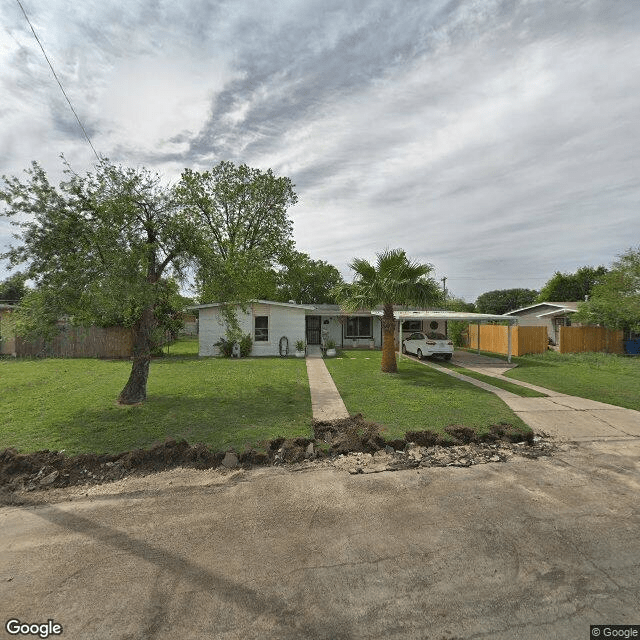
[
  {"x": 100, "y": 246},
  {"x": 615, "y": 301},
  {"x": 243, "y": 212},
  {"x": 500, "y": 301},
  {"x": 393, "y": 280},
  {"x": 567, "y": 287},
  {"x": 305, "y": 280},
  {"x": 13, "y": 289}
]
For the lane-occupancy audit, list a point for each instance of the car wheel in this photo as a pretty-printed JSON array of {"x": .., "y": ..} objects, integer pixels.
[
  {"x": 404, "y": 348},
  {"x": 419, "y": 354}
]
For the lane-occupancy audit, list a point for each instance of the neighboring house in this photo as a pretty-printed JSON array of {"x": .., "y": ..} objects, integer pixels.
[
  {"x": 552, "y": 315},
  {"x": 268, "y": 322}
]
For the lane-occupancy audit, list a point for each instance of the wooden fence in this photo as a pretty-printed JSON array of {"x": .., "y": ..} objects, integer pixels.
[
  {"x": 494, "y": 338},
  {"x": 80, "y": 342},
  {"x": 580, "y": 339}
]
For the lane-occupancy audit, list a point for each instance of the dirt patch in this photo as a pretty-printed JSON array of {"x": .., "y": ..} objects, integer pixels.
[{"x": 332, "y": 439}]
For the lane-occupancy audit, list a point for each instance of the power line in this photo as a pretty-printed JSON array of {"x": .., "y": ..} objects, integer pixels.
[{"x": 64, "y": 93}]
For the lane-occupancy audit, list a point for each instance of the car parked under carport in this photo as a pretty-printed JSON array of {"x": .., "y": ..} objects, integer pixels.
[{"x": 426, "y": 345}]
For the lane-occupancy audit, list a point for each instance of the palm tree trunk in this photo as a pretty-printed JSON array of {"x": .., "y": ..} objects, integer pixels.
[{"x": 389, "y": 364}]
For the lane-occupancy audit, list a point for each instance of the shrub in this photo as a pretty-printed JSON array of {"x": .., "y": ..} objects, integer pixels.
[
  {"x": 226, "y": 345},
  {"x": 246, "y": 344}
]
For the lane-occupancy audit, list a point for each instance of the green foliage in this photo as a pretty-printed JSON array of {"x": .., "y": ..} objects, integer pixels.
[
  {"x": 615, "y": 301},
  {"x": 393, "y": 280},
  {"x": 499, "y": 301},
  {"x": 305, "y": 280},
  {"x": 300, "y": 346},
  {"x": 456, "y": 328},
  {"x": 246, "y": 344},
  {"x": 13, "y": 289},
  {"x": 98, "y": 247},
  {"x": 226, "y": 343},
  {"x": 571, "y": 287},
  {"x": 243, "y": 214}
]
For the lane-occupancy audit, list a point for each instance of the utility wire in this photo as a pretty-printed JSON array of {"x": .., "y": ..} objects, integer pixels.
[{"x": 64, "y": 93}]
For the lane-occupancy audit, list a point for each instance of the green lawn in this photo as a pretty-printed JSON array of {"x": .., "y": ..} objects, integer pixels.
[
  {"x": 415, "y": 398},
  {"x": 598, "y": 376},
  {"x": 184, "y": 346},
  {"x": 70, "y": 404}
]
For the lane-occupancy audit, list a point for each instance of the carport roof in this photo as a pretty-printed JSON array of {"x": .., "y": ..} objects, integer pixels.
[{"x": 465, "y": 316}]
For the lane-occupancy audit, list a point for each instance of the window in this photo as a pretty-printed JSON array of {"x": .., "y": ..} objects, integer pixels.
[
  {"x": 261, "y": 328},
  {"x": 358, "y": 327},
  {"x": 411, "y": 325}
]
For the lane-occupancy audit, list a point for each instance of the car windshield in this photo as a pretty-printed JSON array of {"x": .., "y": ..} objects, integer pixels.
[{"x": 435, "y": 335}]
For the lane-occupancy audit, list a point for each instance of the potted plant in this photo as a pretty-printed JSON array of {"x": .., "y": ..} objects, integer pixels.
[
  {"x": 330, "y": 346},
  {"x": 300, "y": 348}
]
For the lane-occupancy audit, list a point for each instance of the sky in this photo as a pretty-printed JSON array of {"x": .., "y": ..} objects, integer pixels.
[{"x": 497, "y": 140}]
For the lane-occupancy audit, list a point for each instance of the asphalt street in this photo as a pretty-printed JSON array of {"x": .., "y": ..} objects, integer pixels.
[{"x": 526, "y": 549}]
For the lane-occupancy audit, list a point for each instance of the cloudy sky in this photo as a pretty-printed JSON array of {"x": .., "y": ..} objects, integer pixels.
[{"x": 496, "y": 139}]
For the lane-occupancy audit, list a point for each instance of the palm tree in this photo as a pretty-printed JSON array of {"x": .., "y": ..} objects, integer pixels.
[{"x": 394, "y": 280}]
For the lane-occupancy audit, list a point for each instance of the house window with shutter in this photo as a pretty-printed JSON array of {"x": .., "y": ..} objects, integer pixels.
[{"x": 261, "y": 329}]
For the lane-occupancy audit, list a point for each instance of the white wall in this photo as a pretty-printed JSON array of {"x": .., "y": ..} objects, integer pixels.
[{"x": 283, "y": 321}]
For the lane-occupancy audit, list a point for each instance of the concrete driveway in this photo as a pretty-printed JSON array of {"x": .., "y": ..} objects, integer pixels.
[
  {"x": 562, "y": 416},
  {"x": 527, "y": 549}
]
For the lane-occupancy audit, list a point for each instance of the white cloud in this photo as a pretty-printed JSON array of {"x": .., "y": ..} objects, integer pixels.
[
  {"x": 495, "y": 139},
  {"x": 145, "y": 102}
]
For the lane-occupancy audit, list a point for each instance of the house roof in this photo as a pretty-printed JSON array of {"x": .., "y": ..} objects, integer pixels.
[
  {"x": 564, "y": 307},
  {"x": 271, "y": 302},
  {"x": 465, "y": 316}
]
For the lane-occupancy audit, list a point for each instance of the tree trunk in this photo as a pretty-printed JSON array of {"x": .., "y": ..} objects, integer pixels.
[
  {"x": 389, "y": 364},
  {"x": 135, "y": 391}
]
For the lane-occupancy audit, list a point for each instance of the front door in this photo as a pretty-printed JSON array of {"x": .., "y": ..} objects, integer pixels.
[{"x": 313, "y": 329}]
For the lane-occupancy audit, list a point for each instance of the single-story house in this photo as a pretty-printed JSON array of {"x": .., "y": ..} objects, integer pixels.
[
  {"x": 552, "y": 315},
  {"x": 277, "y": 326}
]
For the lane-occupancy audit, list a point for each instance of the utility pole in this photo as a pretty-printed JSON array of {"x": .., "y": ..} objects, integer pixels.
[{"x": 444, "y": 287}]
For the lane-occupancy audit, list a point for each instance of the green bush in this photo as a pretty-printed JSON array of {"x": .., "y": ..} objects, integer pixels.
[
  {"x": 246, "y": 344},
  {"x": 226, "y": 345}
]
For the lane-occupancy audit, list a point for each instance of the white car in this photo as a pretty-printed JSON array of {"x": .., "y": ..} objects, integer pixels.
[{"x": 425, "y": 345}]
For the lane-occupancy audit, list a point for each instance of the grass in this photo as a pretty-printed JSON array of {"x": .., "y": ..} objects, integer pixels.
[
  {"x": 184, "y": 346},
  {"x": 598, "y": 376},
  {"x": 415, "y": 398},
  {"x": 70, "y": 403},
  {"x": 496, "y": 382}
]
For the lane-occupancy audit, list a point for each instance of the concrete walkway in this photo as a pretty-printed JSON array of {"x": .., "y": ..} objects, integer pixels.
[
  {"x": 326, "y": 402},
  {"x": 559, "y": 415}
]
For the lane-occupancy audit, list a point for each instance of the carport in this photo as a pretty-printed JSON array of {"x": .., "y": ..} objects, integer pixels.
[{"x": 464, "y": 316}]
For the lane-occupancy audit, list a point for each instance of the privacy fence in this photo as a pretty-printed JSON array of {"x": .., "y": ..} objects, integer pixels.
[
  {"x": 80, "y": 342},
  {"x": 579, "y": 339},
  {"x": 494, "y": 338}
]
